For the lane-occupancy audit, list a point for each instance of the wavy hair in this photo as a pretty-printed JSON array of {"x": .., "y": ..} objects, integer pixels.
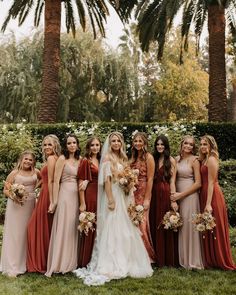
[
  {"x": 134, "y": 152},
  {"x": 113, "y": 157},
  {"x": 56, "y": 145},
  {"x": 88, "y": 146},
  {"x": 213, "y": 148},
  {"x": 166, "y": 154},
  {"x": 194, "y": 152},
  {"x": 21, "y": 157},
  {"x": 65, "y": 150}
]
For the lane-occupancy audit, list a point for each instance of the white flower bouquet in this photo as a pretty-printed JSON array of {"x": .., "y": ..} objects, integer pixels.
[
  {"x": 203, "y": 221},
  {"x": 87, "y": 221},
  {"x": 18, "y": 193},
  {"x": 136, "y": 213},
  {"x": 128, "y": 178},
  {"x": 172, "y": 220}
]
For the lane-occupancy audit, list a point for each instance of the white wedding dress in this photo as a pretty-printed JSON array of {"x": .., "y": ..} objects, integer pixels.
[{"x": 119, "y": 250}]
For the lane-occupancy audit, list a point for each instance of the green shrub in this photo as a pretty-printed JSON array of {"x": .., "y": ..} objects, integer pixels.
[{"x": 232, "y": 234}]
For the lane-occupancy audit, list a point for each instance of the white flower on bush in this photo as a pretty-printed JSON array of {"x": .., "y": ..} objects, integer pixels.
[
  {"x": 124, "y": 127},
  {"x": 128, "y": 146},
  {"x": 82, "y": 216},
  {"x": 176, "y": 128}
]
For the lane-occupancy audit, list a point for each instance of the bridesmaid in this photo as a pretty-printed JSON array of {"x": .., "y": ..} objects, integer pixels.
[
  {"x": 63, "y": 247},
  {"x": 144, "y": 162},
  {"x": 188, "y": 182},
  {"x": 40, "y": 223},
  {"x": 216, "y": 245},
  {"x": 88, "y": 174},
  {"x": 165, "y": 242},
  {"x": 14, "y": 246}
]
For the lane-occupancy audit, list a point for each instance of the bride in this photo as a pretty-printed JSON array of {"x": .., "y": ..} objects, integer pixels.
[{"x": 119, "y": 250}]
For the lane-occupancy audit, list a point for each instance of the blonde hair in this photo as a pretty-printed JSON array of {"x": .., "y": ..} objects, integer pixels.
[
  {"x": 56, "y": 145},
  {"x": 194, "y": 151},
  {"x": 113, "y": 157},
  {"x": 213, "y": 148},
  {"x": 144, "y": 150},
  {"x": 21, "y": 157}
]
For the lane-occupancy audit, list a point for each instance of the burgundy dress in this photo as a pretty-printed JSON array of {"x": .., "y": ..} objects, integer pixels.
[
  {"x": 165, "y": 242},
  {"x": 88, "y": 171},
  {"x": 216, "y": 245},
  {"x": 39, "y": 230},
  {"x": 139, "y": 199}
]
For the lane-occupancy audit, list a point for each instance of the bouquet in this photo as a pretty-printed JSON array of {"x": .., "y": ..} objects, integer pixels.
[
  {"x": 18, "y": 193},
  {"x": 203, "y": 221},
  {"x": 172, "y": 220},
  {"x": 87, "y": 221},
  {"x": 136, "y": 213},
  {"x": 128, "y": 178}
]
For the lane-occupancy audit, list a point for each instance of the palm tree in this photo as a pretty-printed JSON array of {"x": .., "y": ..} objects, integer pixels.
[
  {"x": 155, "y": 18},
  {"x": 97, "y": 12}
]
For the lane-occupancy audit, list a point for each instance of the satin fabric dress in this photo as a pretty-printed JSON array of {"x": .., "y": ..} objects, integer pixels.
[
  {"x": 88, "y": 171},
  {"x": 216, "y": 244},
  {"x": 14, "y": 246},
  {"x": 39, "y": 229},
  {"x": 63, "y": 247},
  {"x": 190, "y": 249},
  {"x": 139, "y": 199},
  {"x": 165, "y": 242}
]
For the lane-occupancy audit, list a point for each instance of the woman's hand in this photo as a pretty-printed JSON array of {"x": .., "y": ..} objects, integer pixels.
[
  {"x": 146, "y": 204},
  {"x": 174, "y": 206},
  {"x": 52, "y": 208},
  {"x": 175, "y": 197},
  {"x": 111, "y": 204},
  {"x": 208, "y": 209},
  {"x": 82, "y": 207}
]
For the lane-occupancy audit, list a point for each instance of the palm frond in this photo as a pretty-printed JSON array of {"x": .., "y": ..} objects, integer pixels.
[
  {"x": 38, "y": 12},
  {"x": 81, "y": 13},
  {"x": 70, "y": 20}
]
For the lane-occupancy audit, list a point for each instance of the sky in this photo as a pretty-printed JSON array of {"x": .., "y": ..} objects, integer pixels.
[{"x": 113, "y": 27}]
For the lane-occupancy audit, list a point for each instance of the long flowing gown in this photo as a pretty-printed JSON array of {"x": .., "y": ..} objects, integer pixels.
[
  {"x": 119, "y": 250},
  {"x": 216, "y": 245},
  {"x": 14, "y": 246},
  {"x": 39, "y": 229},
  {"x": 88, "y": 171},
  {"x": 165, "y": 242},
  {"x": 190, "y": 253},
  {"x": 139, "y": 199},
  {"x": 63, "y": 247}
]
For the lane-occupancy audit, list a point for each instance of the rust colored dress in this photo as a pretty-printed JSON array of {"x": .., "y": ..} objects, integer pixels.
[
  {"x": 139, "y": 199},
  {"x": 88, "y": 171},
  {"x": 39, "y": 230},
  {"x": 216, "y": 245},
  {"x": 165, "y": 242}
]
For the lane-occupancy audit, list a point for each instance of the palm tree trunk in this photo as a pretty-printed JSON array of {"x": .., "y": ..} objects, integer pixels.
[
  {"x": 48, "y": 102},
  {"x": 217, "y": 108}
]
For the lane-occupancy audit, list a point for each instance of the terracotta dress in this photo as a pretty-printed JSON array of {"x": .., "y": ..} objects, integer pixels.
[
  {"x": 216, "y": 245},
  {"x": 139, "y": 199},
  {"x": 88, "y": 171},
  {"x": 14, "y": 246},
  {"x": 190, "y": 252},
  {"x": 165, "y": 242},
  {"x": 63, "y": 247},
  {"x": 39, "y": 229}
]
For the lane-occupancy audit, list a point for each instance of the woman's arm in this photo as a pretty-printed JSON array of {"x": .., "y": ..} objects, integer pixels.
[
  {"x": 82, "y": 206},
  {"x": 213, "y": 167},
  {"x": 51, "y": 162},
  {"x": 108, "y": 190},
  {"x": 174, "y": 204},
  {"x": 9, "y": 181},
  {"x": 194, "y": 187},
  {"x": 150, "y": 174},
  {"x": 57, "y": 177}
]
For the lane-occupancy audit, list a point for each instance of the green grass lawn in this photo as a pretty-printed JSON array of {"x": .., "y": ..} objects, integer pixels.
[{"x": 165, "y": 281}]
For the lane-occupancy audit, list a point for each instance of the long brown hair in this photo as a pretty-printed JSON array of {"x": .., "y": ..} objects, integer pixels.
[
  {"x": 88, "y": 145},
  {"x": 213, "y": 148},
  {"x": 144, "y": 151}
]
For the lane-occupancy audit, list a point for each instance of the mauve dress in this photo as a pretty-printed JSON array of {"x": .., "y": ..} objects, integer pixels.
[
  {"x": 63, "y": 247},
  {"x": 165, "y": 242},
  {"x": 14, "y": 246},
  {"x": 39, "y": 229},
  {"x": 190, "y": 252},
  {"x": 216, "y": 245},
  {"x": 88, "y": 171},
  {"x": 139, "y": 199}
]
